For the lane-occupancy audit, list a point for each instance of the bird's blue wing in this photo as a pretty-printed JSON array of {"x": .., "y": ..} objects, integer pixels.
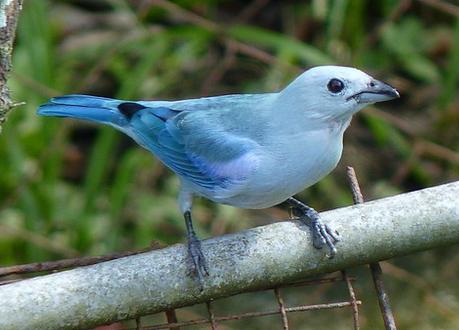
[
  {"x": 195, "y": 146},
  {"x": 199, "y": 139}
]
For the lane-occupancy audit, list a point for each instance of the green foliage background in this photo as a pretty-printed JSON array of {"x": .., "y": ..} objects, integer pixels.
[{"x": 68, "y": 188}]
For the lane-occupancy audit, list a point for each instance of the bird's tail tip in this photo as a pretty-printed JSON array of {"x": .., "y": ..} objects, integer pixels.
[{"x": 86, "y": 107}]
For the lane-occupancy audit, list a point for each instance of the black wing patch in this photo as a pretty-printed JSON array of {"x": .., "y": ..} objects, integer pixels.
[{"x": 128, "y": 109}]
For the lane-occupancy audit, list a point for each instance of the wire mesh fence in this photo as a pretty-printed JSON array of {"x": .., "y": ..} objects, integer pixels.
[
  {"x": 283, "y": 311},
  {"x": 216, "y": 318}
]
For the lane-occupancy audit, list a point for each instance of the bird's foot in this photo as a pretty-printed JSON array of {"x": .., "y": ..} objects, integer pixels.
[
  {"x": 197, "y": 257},
  {"x": 322, "y": 234}
]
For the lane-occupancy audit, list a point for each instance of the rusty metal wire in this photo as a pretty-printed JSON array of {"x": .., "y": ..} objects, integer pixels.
[
  {"x": 251, "y": 314},
  {"x": 376, "y": 272},
  {"x": 282, "y": 310},
  {"x": 68, "y": 263},
  {"x": 172, "y": 318},
  {"x": 355, "y": 306},
  {"x": 213, "y": 324}
]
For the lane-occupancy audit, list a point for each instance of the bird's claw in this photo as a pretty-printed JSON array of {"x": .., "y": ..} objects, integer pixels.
[
  {"x": 323, "y": 235},
  {"x": 199, "y": 262}
]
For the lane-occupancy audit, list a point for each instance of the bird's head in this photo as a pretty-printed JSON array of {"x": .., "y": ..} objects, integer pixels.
[{"x": 335, "y": 92}]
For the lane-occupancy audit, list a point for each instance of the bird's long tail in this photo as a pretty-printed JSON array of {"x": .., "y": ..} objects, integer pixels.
[{"x": 93, "y": 108}]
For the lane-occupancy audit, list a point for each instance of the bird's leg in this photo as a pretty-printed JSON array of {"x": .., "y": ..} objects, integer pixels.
[
  {"x": 321, "y": 233},
  {"x": 194, "y": 249}
]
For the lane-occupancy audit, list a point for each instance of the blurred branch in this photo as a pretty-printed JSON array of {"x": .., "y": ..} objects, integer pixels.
[
  {"x": 443, "y": 6},
  {"x": 186, "y": 15},
  {"x": 395, "y": 14},
  {"x": 422, "y": 146},
  {"x": 257, "y": 258},
  {"x": 37, "y": 240},
  {"x": 423, "y": 286},
  {"x": 216, "y": 74},
  {"x": 36, "y": 86},
  {"x": 251, "y": 10},
  {"x": 9, "y": 13},
  {"x": 429, "y": 148},
  {"x": 241, "y": 47}
]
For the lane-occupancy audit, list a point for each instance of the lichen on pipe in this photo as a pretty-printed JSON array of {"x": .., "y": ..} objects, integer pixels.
[{"x": 260, "y": 257}]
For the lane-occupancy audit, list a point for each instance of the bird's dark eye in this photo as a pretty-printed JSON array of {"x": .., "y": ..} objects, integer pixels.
[{"x": 335, "y": 85}]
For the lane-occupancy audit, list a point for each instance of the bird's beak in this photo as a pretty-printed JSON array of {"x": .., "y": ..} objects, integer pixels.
[{"x": 376, "y": 91}]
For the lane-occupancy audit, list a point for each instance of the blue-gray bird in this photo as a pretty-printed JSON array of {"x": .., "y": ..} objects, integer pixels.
[{"x": 246, "y": 150}]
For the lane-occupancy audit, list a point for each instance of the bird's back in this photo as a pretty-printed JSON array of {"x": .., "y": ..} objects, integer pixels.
[{"x": 212, "y": 103}]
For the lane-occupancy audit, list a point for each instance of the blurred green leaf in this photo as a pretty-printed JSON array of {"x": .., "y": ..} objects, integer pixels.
[
  {"x": 407, "y": 41},
  {"x": 451, "y": 76},
  {"x": 307, "y": 54}
]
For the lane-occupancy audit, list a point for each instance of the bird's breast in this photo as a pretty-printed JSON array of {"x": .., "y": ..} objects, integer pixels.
[{"x": 289, "y": 165}]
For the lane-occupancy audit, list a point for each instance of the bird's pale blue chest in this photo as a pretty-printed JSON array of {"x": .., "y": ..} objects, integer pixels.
[{"x": 292, "y": 164}]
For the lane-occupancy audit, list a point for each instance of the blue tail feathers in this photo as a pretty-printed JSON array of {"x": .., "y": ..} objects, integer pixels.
[
  {"x": 92, "y": 108},
  {"x": 83, "y": 100}
]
